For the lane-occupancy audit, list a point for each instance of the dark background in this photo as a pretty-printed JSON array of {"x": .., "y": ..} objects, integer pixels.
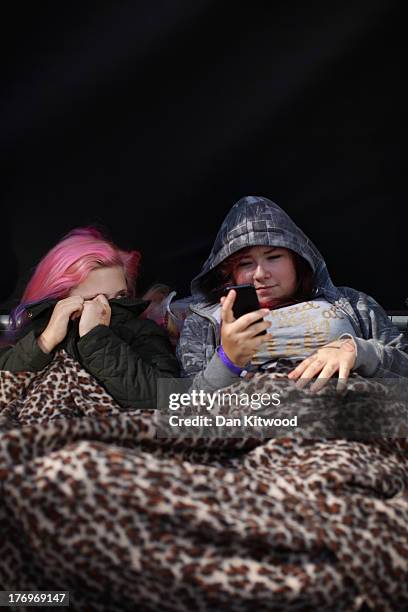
[{"x": 152, "y": 118}]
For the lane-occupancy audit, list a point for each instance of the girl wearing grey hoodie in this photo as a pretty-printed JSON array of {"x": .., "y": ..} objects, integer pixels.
[{"x": 326, "y": 331}]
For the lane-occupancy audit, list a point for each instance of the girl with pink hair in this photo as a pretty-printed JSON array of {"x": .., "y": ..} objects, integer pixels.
[{"x": 81, "y": 298}]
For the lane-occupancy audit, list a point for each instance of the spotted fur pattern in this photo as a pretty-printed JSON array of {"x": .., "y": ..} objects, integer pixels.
[{"x": 94, "y": 503}]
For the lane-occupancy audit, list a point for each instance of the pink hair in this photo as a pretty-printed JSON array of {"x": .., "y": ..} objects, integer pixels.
[{"x": 71, "y": 260}]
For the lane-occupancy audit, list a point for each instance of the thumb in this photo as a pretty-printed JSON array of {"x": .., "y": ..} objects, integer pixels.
[{"x": 227, "y": 316}]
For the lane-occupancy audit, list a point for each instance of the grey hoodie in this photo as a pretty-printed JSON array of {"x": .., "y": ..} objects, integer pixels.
[{"x": 256, "y": 221}]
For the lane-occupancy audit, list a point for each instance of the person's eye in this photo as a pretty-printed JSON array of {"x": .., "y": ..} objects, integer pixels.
[
  {"x": 121, "y": 296},
  {"x": 244, "y": 263}
]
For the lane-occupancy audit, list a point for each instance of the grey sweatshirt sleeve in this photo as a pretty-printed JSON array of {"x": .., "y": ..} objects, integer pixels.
[
  {"x": 198, "y": 357},
  {"x": 374, "y": 358},
  {"x": 382, "y": 351}
]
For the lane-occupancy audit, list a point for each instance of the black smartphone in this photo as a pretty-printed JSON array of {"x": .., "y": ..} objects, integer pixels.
[{"x": 246, "y": 301}]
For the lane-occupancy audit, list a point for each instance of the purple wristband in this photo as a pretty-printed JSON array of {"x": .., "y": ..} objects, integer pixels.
[{"x": 226, "y": 361}]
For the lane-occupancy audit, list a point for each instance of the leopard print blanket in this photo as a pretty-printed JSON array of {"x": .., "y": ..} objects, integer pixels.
[{"x": 93, "y": 502}]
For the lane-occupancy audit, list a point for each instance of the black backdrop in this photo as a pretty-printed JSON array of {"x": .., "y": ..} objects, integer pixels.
[{"x": 151, "y": 118}]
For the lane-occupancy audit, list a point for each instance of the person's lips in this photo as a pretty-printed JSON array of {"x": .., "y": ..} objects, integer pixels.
[{"x": 263, "y": 290}]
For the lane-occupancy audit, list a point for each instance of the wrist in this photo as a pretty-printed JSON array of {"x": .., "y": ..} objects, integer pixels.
[
  {"x": 83, "y": 331},
  {"x": 235, "y": 368},
  {"x": 45, "y": 344}
]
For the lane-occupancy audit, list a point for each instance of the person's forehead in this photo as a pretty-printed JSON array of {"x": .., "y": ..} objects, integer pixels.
[
  {"x": 109, "y": 281},
  {"x": 105, "y": 280},
  {"x": 105, "y": 273},
  {"x": 261, "y": 249}
]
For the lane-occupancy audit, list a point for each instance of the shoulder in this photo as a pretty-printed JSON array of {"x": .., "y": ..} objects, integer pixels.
[
  {"x": 142, "y": 327},
  {"x": 373, "y": 318},
  {"x": 362, "y": 301}
]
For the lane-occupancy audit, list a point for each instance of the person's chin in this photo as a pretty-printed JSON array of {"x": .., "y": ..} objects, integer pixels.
[
  {"x": 270, "y": 301},
  {"x": 266, "y": 301},
  {"x": 264, "y": 297}
]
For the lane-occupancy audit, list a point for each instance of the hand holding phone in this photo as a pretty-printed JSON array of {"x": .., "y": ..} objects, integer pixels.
[
  {"x": 246, "y": 301},
  {"x": 242, "y": 336}
]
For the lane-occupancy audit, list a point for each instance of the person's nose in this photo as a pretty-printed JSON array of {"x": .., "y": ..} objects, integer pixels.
[{"x": 261, "y": 272}]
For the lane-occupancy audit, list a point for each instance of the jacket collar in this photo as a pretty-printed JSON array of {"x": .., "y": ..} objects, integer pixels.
[{"x": 135, "y": 305}]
